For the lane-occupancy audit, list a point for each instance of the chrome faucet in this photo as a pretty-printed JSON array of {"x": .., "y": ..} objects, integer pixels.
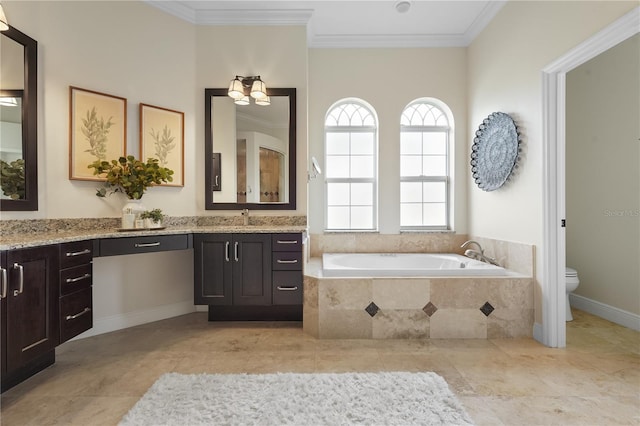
[
  {"x": 477, "y": 254},
  {"x": 245, "y": 215}
]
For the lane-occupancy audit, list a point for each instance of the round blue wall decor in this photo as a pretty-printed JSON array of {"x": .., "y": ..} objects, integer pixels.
[{"x": 495, "y": 151}]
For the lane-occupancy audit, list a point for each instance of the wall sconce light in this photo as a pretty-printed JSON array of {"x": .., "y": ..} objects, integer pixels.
[
  {"x": 241, "y": 88},
  {"x": 4, "y": 25}
]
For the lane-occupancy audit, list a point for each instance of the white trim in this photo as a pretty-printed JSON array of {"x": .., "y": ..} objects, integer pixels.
[
  {"x": 244, "y": 17},
  {"x": 174, "y": 8},
  {"x": 131, "y": 319},
  {"x": 537, "y": 331},
  {"x": 553, "y": 153},
  {"x": 488, "y": 13},
  {"x": 608, "y": 312}
]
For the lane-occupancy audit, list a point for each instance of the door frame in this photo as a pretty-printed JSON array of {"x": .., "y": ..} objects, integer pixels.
[{"x": 554, "y": 168}]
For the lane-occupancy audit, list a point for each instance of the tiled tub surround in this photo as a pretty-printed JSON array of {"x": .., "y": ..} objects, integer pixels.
[{"x": 418, "y": 307}]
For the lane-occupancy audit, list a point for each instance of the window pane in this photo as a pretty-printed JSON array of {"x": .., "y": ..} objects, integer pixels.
[
  {"x": 435, "y": 165},
  {"x": 361, "y": 143},
  {"x": 410, "y": 192},
  {"x": 435, "y": 143},
  {"x": 337, "y": 143},
  {"x": 361, "y": 217},
  {"x": 362, "y": 166},
  {"x": 337, "y": 166},
  {"x": 435, "y": 214},
  {"x": 338, "y": 218},
  {"x": 410, "y": 143},
  {"x": 410, "y": 214},
  {"x": 338, "y": 194},
  {"x": 433, "y": 192},
  {"x": 410, "y": 165},
  {"x": 361, "y": 194}
]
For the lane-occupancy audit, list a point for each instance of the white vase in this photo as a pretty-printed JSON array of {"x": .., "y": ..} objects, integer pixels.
[{"x": 131, "y": 213}]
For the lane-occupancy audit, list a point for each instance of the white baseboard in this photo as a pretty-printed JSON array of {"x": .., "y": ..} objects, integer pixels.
[
  {"x": 131, "y": 319},
  {"x": 613, "y": 314}
]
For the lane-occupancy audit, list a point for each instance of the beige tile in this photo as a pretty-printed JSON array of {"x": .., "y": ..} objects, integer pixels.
[
  {"x": 400, "y": 324},
  {"x": 401, "y": 293},
  {"x": 458, "y": 324},
  {"x": 345, "y": 324},
  {"x": 509, "y": 323},
  {"x": 353, "y": 293},
  {"x": 460, "y": 293}
]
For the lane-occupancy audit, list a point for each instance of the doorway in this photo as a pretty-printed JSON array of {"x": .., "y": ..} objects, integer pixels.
[{"x": 553, "y": 331}]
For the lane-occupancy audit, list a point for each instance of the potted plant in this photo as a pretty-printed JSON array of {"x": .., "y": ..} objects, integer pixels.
[
  {"x": 130, "y": 176},
  {"x": 152, "y": 218}
]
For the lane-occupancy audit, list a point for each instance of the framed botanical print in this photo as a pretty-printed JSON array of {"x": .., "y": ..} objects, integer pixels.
[
  {"x": 162, "y": 137},
  {"x": 97, "y": 130}
]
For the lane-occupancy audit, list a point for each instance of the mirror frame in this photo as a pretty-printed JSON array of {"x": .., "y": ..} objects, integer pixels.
[
  {"x": 29, "y": 123},
  {"x": 208, "y": 151}
]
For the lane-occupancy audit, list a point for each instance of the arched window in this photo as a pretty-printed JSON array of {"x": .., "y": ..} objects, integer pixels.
[
  {"x": 351, "y": 151},
  {"x": 425, "y": 135}
]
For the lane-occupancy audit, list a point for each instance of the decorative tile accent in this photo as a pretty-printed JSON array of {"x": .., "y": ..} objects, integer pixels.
[
  {"x": 487, "y": 309},
  {"x": 372, "y": 309},
  {"x": 430, "y": 309}
]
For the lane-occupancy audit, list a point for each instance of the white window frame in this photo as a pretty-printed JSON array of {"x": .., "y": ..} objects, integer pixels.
[
  {"x": 448, "y": 130},
  {"x": 373, "y": 180}
]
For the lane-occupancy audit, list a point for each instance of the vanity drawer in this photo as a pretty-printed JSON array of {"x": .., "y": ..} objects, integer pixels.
[
  {"x": 76, "y": 314},
  {"x": 286, "y": 261},
  {"x": 286, "y": 242},
  {"x": 287, "y": 287},
  {"x": 146, "y": 244},
  {"x": 76, "y": 278},
  {"x": 75, "y": 253}
]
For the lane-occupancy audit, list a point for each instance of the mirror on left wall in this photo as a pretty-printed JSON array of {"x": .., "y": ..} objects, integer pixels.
[{"x": 18, "y": 121}]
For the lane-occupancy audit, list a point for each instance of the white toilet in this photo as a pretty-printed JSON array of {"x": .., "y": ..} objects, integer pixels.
[{"x": 572, "y": 282}]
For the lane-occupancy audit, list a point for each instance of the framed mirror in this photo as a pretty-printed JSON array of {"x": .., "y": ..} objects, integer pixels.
[
  {"x": 18, "y": 121},
  {"x": 250, "y": 152}
]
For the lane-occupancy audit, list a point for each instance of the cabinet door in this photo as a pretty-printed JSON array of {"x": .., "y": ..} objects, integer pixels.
[
  {"x": 212, "y": 269},
  {"x": 32, "y": 304},
  {"x": 251, "y": 269},
  {"x": 4, "y": 292}
]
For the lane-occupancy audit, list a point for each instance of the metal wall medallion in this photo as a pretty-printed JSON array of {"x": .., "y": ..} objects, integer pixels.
[{"x": 495, "y": 151}]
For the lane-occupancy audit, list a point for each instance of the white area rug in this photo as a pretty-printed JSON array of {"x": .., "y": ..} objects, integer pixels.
[{"x": 298, "y": 399}]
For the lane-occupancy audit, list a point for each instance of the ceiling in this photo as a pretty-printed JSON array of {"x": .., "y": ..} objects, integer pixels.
[{"x": 361, "y": 23}]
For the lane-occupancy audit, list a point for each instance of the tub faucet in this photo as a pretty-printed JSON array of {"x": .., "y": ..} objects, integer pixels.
[
  {"x": 477, "y": 254},
  {"x": 245, "y": 216}
]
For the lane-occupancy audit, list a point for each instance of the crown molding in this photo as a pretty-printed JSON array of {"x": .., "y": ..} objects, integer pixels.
[
  {"x": 269, "y": 17},
  {"x": 488, "y": 13},
  {"x": 174, "y": 8}
]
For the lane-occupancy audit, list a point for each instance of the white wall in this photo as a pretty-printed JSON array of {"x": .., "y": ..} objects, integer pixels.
[
  {"x": 127, "y": 49},
  {"x": 504, "y": 74},
  {"x": 279, "y": 56},
  {"x": 388, "y": 79},
  {"x": 603, "y": 176}
]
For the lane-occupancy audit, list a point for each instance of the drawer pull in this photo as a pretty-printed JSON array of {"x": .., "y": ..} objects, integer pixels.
[
  {"x": 226, "y": 251},
  {"x": 282, "y": 288},
  {"x": 3, "y": 277},
  {"x": 287, "y": 261},
  {"x": 140, "y": 245},
  {"x": 76, "y": 279},
  {"x": 286, "y": 242},
  {"x": 20, "y": 269},
  {"x": 77, "y": 253},
  {"x": 79, "y": 314}
]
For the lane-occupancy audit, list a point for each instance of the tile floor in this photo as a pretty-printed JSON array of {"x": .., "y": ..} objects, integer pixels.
[{"x": 594, "y": 381}]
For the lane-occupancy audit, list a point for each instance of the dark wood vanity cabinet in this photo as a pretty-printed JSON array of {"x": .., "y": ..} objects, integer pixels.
[
  {"x": 249, "y": 276},
  {"x": 232, "y": 269},
  {"x": 75, "y": 295},
  {"x": 29, "y": 312}
]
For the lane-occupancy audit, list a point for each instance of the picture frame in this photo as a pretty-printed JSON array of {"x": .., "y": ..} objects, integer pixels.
[
  {"x": 162, "y": 137},
  {"x": 97, "y": 130}
]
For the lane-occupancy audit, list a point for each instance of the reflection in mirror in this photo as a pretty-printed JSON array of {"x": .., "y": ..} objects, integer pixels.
[
  {"x": 18, "y": 121},
  {"x": 250, "y": 152}
]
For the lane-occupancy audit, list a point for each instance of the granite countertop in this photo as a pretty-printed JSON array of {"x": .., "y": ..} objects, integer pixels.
[{"x": 29, "y": 238}]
